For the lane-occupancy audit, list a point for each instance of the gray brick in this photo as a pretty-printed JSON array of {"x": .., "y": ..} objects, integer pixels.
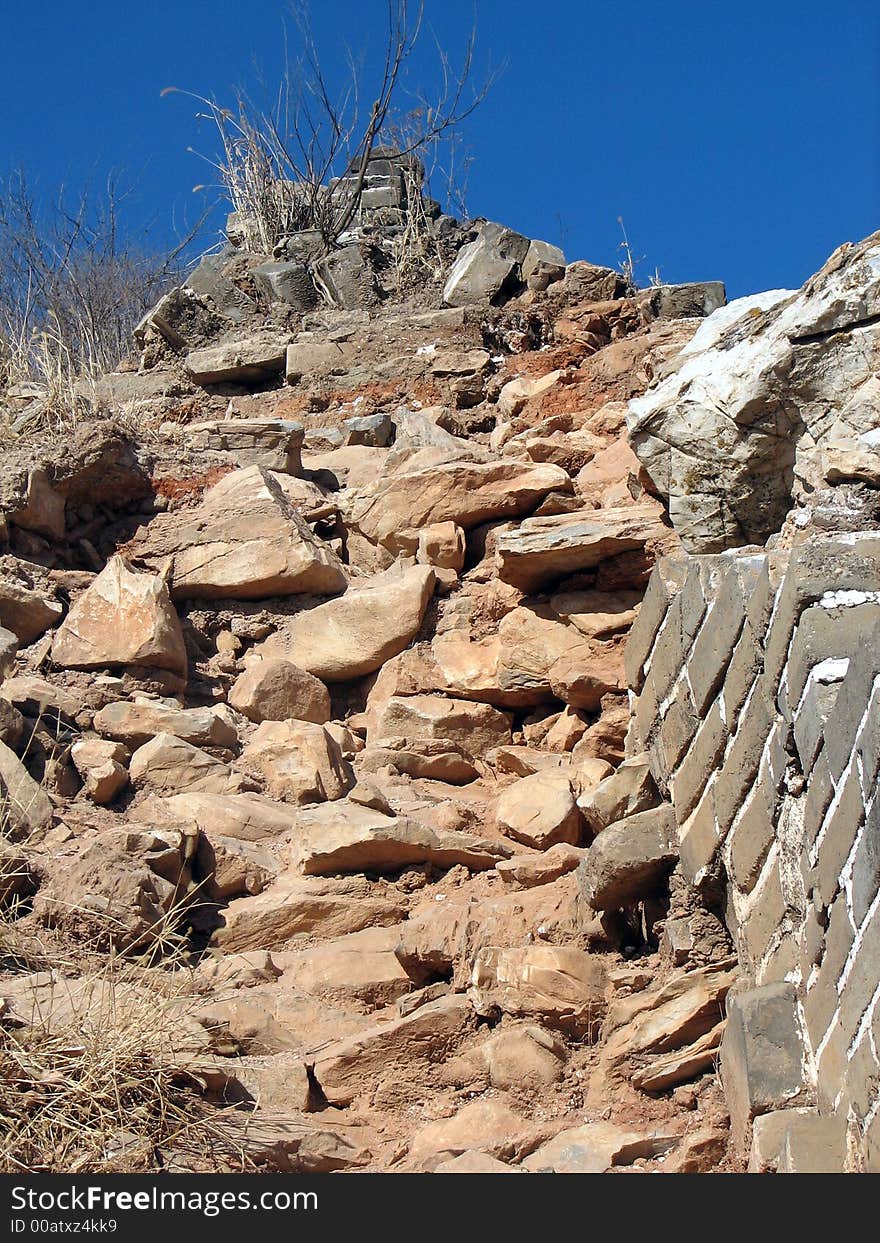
[
  {"x": 698, "y": 589},
  {"x": 809, "y": 723},
  {"x": 820, "y": 1001},
  {"x": 813, "y": 1145},
  {"x": 868, "y": 744},
  {"x": 829, "y": 634},
  {"x": 752, "y": 836},
  {"x": 864, "y": 976},
  {"x": 742, "y": 759},
  {"x": 647, "y": 712},
  {"x": 678, "y": 728},
  {"x": 864, "y": 665},
  {"x": 713, "y": 646},
  {"x": 814, "y": 568},
  {"x": 698, "y": 836},
  {"x": 839, "y": 836},
  {"x": 668, "y": 656},
  {"x": 831, "y": 1069},
  {"x": 780, "y": 962},
  {"x": 820, "y": 790},
  {"x": 765, "y": 917},
  {"x": 745, "y": 665},
  {"x": 759, "y": 601},
  {"x": 761, "y": 1055},
  {"x": 862, "y": 1078},
  {"x": 665, "y": 581},
  {"x": 866, "y": 864},
  {"x": 698, "y": 765}
]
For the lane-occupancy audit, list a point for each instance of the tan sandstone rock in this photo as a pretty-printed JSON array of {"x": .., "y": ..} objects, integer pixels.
[
  {"x": 300, "y": 761},
  {"x": 277, "y": 690},
  {"x": 356, "y": 633},
  {"x": 345, "y": 837},
  {"x": 244, "y": 541},
  {"x": 123, "y": 618},
  {"x": 540, "y": 811},
  {"x": 560, "y": 984}
]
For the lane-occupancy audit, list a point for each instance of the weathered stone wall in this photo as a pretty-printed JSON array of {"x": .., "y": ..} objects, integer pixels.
[{"x": 755, "y": 679}]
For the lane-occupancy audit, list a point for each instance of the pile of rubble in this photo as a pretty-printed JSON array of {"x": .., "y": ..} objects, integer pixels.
[{"x": 314, "y": 658}]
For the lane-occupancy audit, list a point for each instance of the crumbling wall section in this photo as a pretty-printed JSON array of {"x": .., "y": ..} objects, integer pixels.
[{"x": 755, "y": 685}]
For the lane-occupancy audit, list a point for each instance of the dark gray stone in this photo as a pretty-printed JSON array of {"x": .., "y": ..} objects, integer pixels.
[
  {"x": 761, "y": 1055},
  {"x": 375, "y": 430},
  {"x": 349, "y": 279},
  {"x": 666, "y": 580},
  {"x": 286, "y": 281},
  {"x": 692, "y": 301},
  {"x": 629, "y": 860},
  {"x": 209, "y": 280}
]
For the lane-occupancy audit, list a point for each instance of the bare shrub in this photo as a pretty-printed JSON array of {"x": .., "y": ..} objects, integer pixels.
[
  {"x": 276, "y": 163},
  {"x": 73, "y": 284}
]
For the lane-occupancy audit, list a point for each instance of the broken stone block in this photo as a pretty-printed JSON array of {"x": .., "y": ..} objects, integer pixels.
[
  {"x": 629, "y": 860},
  {"x": 813, "y": 1145},
  {"x": 250, "y": 360},
  {"x": 210, "y": 280},
  {"x": 26, "y": 807},
  {"x": 124, "y": 618},
  {"x": 278, "y": 690},
  {"x": 283, "y": 281},
  {"x": 561, "y": 985},
  {"x": 630, "y": 789},
  {"x": 762, "y": 1055},
  {"x": 274, "y": 444},
  {"x": 485, "y": 268},
  {"x": 348, "y": 278}
]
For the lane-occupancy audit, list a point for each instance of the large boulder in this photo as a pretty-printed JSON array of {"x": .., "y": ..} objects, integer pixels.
[
  {"x": 278, "y": 690},
  {"x": 346, "y": 837},
  {"x": 299, "y": 761},
  {"x": 244, "y": 541},
  {"x": 358, "y": 632},
  {"x": 124, "y": 618},
  {"x": 487, "y": 267},
  {"x": 737, "y": 429},
  {"x": 629, "y": 860},
  {"x": 540, "y": 811},
  {"x": 540, "y": 550},
  {"x": 467, "y": 493}
]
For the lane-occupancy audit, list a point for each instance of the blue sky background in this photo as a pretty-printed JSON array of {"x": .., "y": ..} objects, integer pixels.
[{"x": 737, "y": 141}]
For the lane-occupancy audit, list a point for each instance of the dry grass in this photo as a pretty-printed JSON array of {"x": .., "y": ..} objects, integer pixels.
[
  {"x": 94, "y": 1046},
  {"x": 98, "y": 1088}
]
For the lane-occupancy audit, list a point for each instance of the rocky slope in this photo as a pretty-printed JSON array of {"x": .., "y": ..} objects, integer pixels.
[{"x": 315, "y": 709}]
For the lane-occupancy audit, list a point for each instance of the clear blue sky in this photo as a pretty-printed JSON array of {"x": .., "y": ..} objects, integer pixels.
[{"x": 738, "y": 141}]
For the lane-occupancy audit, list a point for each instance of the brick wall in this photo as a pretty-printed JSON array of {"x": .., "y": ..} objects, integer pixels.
[{"x": 755, "y": 680}]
